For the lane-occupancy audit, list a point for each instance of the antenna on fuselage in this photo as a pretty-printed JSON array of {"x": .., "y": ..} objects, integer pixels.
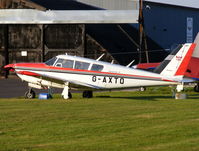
[
  {"x": 100, "y": 57},
  {"x": 130, "y": 63}
]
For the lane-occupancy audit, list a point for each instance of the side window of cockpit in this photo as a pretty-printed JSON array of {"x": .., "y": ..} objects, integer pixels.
[
  {"x": 59, "y": 63},
  {"x": 67, "y": 63},
  {"x": 64, "y": 63},
  {"x": 96, "y": 67},
  {"x": 81, "y": 65}
]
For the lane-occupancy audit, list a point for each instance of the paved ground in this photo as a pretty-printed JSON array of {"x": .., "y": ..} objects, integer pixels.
[{"x": 14, "y": 87}]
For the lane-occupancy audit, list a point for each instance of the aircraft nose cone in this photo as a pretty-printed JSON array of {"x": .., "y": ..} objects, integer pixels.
[{"x": 9, "y": 66}]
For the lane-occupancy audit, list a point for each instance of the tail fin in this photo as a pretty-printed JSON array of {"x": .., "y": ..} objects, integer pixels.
[{"x": 177, "y": 62}]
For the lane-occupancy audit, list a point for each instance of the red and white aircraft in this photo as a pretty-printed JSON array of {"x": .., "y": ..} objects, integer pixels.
[{"x": 62, "y": 70}]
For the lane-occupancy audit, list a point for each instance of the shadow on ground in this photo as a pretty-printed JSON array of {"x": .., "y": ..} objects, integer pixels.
[{"x": 146, "y": 98}]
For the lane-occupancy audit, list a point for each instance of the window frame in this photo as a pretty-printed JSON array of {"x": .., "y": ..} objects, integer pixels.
[
  {"x": 84, "y": 62},
  {"x": 95, "y": 64},
  {"x": 62, "y": 63},
  {"x": 50, "y": 60}
]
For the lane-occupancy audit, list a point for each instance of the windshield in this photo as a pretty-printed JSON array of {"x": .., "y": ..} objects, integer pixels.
[{"x": 51, "y": 61}]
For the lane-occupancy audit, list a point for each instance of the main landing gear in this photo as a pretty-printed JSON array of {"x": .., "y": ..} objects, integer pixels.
[
  {"x": 30, "y": 94},
  {"x": 65, "y": 93},
  {"x": 142, "y": 89}
]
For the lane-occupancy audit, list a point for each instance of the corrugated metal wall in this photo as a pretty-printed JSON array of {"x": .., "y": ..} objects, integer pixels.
[
  {"x": 113, "y": 4},
  {"x": 167, "y": 24},
  {"x": 41, "y": 42},
  {"x": 19, "y": 4}
]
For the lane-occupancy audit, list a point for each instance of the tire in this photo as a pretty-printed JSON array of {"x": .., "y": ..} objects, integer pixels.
[
  {"x": 70, "y": 95},
  {"x": 90, "y": 94},
  {"x": 30, "y": 94},
  {"x": 87, "y": 94},
  {"x": 196, "y": 88}
]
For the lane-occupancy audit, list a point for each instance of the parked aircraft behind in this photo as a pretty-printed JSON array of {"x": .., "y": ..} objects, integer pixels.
[{"x": 62, "y": 70}]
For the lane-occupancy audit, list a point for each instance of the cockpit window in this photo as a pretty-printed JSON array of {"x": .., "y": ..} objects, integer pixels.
[
  {"x": 81, "y": 65},
  {"x": 64, "y": 63},
  {"x": 97, "y": 67},
  {"x": 51, "y": 61}
]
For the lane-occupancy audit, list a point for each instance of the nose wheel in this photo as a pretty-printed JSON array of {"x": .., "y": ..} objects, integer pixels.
[{"x": 30, "y": 94}]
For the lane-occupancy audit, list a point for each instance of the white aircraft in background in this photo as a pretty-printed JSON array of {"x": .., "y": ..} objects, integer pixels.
[{"x": 62, "y": 70}]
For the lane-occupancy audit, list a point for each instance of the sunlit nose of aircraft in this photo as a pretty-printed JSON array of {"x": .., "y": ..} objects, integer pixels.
[{"x": 9, "y": 67}]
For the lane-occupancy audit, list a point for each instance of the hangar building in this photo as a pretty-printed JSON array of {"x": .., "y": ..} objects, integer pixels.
[
  {"x": 166, "y": 23},
  {"x": 33, "y": 43}
]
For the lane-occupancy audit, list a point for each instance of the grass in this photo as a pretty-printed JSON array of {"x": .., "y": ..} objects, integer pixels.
[{"x": 111, "y": 121}]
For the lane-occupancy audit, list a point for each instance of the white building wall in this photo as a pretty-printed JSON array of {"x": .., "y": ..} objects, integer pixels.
[{"x": 113, "y": 4}]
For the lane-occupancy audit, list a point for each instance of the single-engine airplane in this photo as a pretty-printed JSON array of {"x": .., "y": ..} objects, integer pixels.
[{"x": 62, "y": 70}]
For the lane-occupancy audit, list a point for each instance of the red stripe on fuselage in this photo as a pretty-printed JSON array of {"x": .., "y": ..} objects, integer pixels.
[
  {"x": 32, "y": 65},
  {"x": 28, "y": 73},
  {"x": 37, "y": 66},
  {"x": 168, "y": 80}
]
